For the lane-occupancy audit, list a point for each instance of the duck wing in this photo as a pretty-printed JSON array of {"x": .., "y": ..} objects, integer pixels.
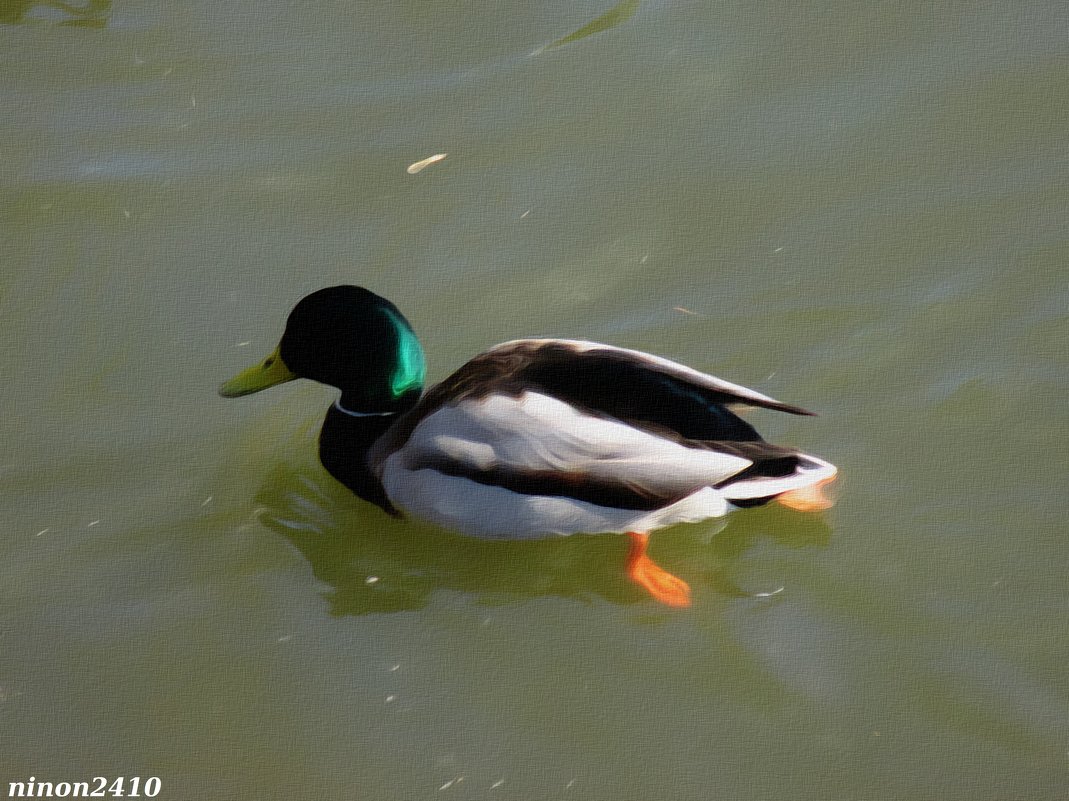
[{"x": 638, "y": 387}]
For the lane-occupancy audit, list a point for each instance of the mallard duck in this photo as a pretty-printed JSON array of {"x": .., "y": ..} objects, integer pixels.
[{"x": 534, "y": 437}]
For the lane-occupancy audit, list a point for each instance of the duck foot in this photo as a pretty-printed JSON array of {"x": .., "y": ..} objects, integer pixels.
[
  {"x": 808, "y": 499},
  {"x": 658, "y": 582}
]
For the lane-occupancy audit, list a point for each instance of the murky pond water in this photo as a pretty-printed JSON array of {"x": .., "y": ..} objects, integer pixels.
[{"x": 859, "y": 208}]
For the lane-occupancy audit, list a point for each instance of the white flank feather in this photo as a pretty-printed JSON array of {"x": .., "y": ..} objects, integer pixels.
[
  {"x": 480, "y": 510},
  {"x": 537, "y": 432}
]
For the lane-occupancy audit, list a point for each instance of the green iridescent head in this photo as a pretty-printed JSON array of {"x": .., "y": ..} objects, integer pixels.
[{"x": 350, "y": 338}]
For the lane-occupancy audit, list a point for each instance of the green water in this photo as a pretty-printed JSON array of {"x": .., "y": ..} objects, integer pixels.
[{"x": 858, "y": 208}]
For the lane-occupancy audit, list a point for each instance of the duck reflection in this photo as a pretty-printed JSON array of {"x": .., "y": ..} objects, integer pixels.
[
  {"x": 91, "y": 14},
  {"x": 374, "y": 563}
]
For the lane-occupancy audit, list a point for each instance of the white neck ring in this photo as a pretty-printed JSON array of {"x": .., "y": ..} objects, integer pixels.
[{"x": 343, "y": 410}]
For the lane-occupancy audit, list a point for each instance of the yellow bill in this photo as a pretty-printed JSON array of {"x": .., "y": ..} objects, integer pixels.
[{"x": 267, "y": 373}]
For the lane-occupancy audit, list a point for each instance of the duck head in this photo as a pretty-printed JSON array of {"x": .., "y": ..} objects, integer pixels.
[{"x": 347, "y": 337}]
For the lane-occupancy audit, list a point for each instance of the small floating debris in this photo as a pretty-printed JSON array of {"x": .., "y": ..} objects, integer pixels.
[
  {"x": 418, "y": 166},
  {"x": 371, "y": 580},
  {"x": 768, "y": 594}
]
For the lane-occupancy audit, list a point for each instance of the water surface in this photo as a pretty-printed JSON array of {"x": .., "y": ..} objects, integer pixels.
[{"x": 859, "y": 208}]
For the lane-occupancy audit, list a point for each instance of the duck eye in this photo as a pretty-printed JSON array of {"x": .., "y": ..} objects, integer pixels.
[{"x": 269, "y": 361}]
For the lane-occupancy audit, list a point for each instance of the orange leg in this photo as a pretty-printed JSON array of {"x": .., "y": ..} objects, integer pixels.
[
  {"x": 658, "y": 582},
  {"x": 807, "y": 499}
]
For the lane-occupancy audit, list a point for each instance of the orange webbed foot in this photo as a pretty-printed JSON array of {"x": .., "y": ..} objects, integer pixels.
[
  {"x": 658, "y": 582},
  {"x": 808, "y": 499}
]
